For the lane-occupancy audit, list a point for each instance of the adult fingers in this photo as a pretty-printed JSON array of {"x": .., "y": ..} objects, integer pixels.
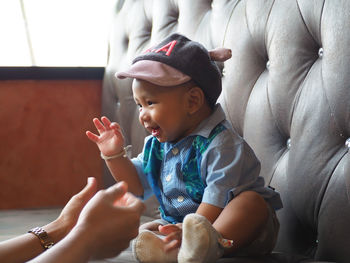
[
  {"x": 89, "y": 190},
  {"x": 126, "y": 200},
  {"x": 116, "y": 191},
  {"x": 73, "y": 208},
  {"x": 138, "y": 206},
  {"x": 131, "y": 201}
]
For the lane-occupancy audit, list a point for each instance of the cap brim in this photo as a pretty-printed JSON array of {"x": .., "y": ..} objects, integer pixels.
[{"x": 155, "y": 72}]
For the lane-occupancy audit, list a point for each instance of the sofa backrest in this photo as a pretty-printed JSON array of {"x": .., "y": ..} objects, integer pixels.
[{"x": 286, "y": 90}]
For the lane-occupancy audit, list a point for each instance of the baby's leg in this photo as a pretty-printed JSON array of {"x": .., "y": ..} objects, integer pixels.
[
  {"x": 200, "y": 241},
  {"x": 244, "y": 220}
]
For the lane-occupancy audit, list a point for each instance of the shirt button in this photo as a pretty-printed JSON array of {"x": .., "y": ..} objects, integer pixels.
[
  {"x": 168, "y": 178},
  {"x": 180, "y": 199},
  {"x": 175, "y": 151}
]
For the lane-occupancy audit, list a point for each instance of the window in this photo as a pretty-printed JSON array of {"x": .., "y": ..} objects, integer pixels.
[{"x": 54, "y": 33}]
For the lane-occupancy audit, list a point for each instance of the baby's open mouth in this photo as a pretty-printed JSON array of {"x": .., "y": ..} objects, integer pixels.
[{"x": 155, "y": 132}]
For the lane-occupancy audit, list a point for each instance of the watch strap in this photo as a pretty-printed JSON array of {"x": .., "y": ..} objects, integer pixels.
[{"x": 44, "y": 238}]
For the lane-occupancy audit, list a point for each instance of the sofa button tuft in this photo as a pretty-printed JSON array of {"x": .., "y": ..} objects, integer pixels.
[
  {"x": 347, "y": 143},
  {"x": 320, "y": 53},
  {"x": 223, "y": 72},
  {"x": 288, "y": 143}
]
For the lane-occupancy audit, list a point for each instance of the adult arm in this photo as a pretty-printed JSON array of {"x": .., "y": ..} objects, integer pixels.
[
  {"x": 105, "y": 227},
  {"x": 27, "y": 246}
]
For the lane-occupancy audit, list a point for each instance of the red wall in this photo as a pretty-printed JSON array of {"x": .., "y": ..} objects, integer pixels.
[{"x": 45, "y": 156}]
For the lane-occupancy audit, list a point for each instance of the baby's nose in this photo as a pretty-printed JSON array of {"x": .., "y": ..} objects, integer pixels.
[{"x": 144, "y": 116}]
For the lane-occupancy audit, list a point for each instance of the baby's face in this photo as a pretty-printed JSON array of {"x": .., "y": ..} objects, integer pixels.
[{"x": 163, "y": 110}]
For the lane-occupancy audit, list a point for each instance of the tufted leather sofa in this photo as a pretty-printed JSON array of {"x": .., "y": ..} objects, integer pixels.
[{"x": 286, "y": 90}]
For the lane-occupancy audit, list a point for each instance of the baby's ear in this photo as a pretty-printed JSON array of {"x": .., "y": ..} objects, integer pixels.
[{"x": 196, "y": 99}]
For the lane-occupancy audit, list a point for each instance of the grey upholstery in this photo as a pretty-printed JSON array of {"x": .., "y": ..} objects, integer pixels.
[{"x": 286, "y": 90}]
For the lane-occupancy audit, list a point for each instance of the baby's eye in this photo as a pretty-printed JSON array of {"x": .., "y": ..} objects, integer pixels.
[
  {"x": 139, "y": 105},
  {"x": 149, "y": 102}
]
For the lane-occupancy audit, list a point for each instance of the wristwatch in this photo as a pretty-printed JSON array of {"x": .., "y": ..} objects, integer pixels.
[{"x": 44, "y": 238}]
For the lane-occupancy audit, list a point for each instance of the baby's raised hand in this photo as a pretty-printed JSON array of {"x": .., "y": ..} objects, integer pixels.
[{"x": 110, "y": 140}]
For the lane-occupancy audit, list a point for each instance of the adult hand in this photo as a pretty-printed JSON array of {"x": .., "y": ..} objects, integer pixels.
[
  {"x": 110, "y": 220},
  {"x": 27, "y": 246},
  {"x": 105, "y": 226},
  {"x": 110, "y": 140},
  {"x": 70, "y": 213}
]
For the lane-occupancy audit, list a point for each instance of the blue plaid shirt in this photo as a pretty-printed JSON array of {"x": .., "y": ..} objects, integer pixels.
[{"x": 229, "y": 167}]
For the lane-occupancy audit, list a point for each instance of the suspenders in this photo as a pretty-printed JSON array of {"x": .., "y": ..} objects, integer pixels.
[{"x": 153, "y": 157}]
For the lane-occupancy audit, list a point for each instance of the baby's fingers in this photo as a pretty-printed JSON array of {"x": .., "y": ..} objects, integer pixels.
[
  {"x": 99, "y": 126},
  {"x": 116, "y": 128},
  {"x": 167, "y": 229},
  {"x": 173, "y": 236},
  {"x": 174, "y": 244},
  {"x": 93, "y": 137},
  {"x": 106, "y": 122}
]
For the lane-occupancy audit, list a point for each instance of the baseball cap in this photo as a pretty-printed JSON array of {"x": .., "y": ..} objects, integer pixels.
[{"x": 177, "y": 60}]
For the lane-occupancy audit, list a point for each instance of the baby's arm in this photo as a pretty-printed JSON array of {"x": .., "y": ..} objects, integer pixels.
[{"x": 110, "y": 142}]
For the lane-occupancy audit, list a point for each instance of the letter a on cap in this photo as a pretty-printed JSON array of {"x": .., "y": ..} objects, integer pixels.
[{"x": 168, "y": 48}]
